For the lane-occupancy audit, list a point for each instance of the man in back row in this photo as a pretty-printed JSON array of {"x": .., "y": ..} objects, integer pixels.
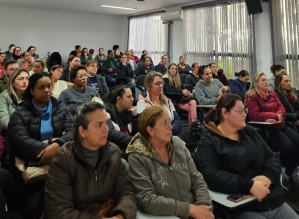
[{"x": 9, "y": 67}]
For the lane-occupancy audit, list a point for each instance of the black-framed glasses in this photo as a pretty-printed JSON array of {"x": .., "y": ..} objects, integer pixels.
[
  {"x": 159, "y": 83},
  {"x": 240, "y": 110}
]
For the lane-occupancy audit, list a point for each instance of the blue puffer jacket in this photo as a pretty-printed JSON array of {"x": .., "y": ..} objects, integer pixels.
[{"x": 238, "y": 87}]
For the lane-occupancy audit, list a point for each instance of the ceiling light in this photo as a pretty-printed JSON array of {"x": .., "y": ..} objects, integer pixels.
[{"x": 117, "y": 7}]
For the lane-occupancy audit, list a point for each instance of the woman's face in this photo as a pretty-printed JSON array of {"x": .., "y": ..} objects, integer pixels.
[
  {"x": 195, "y": 68},
  {"x": 92, "y": 69},
  {"x": 214, "y": 69},
  {"x": 182, "y": 60},
  {"x": 75, "y": 62},
  {"x": 262, "y": 83},
  {"x": 117, "y": 52},
  {"x": 207, "y": 75},
  {"x": 285, "y": 83},
  {"x": 56, "y": 74},
  {"x": 37, "y": 67},
  {"x": 162, "y": 131},
  {"x": 244, "y": 79},
  {"x": 18, "y": 51},
  {"x": 101, "y": 52},
  {"x": 32, "y": 51},
  {"x": 172, "y": 70},
  {"x": 126, "y": 101},
  {"x": 81, "y": 78},
  {"x": 27, "y": 57},
  {"x": 157, "y": 86},
  {"x": 42, "y": 91},
  {"x": 21, "y": 82},
  {"x": 147, "y": 62},
  {"x": 236, "y": 117},
  {"x": 85, "y": 52}
]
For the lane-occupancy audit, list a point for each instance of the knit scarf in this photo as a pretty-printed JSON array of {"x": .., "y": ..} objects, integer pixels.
[{"x": 264, "y": 94}]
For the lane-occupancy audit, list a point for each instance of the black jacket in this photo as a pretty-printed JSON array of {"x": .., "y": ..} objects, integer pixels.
[
  {"x": 106, "y": 65},
  {"x": 103, "y": 89},
  {"x": 169, "y": 88},
  {"x": 228, "y": 166},
  {"x": 65, "y": 76},
  {"x": 24, "y": 129},
  {"x": 191, "y": 81},
  {"x": 161, "y": 68},
  {"x": 125, "y": 71},
  {"x": 116, "y": 137},
  {"x": 142, "y": 70}
]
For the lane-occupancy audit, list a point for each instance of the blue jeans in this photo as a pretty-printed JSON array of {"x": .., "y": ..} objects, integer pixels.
[{"x": 111, "y": 81}]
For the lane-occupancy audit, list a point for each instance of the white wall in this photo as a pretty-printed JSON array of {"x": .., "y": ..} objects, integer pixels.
[
  {"x": 50, "y": 30},
  {"x": 176, "y": 41}
]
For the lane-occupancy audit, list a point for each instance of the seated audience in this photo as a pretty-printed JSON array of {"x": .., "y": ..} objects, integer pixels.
[
  {"x": 233, "y": 159},
  {"x": 57, "y": 85},
  {"x": 73, "y": 61},
  {"x": 11, "y": 98},
  {"x": 124, "y": 115},
  {"x": 125, "y": 73},
  {"x": 38, "y": 67},
  {"x": 218, "y": 74},
  {"x": 94, "y": 80},
  {"x": 264, "y": 106},
  {"x": 9, "y": 67},
  {"x": 288, "y": 96},
  {"x": 164, "y": 176},
  {"x": 2, "y": 57},
  {"x": 238, "y": 86},
  {"x": 25, "y": 61},
  {"x": 163, "y": 65},
  {"x": 32, "y": 50},
  {"x": 109, "y": 67},
  {"x": 172, "y": 84},
  {"x": 208, "y": 90},
  {"x": 40, "y": 118},
  {"x": 275, "y": 70},
  {"x": 10, "y": 50},
  {"x": 79, "y": 93},
  {"x": 100, "y": 58},
  {"x": 16, "y": 53},
  {"x": 144, "y": 68},
  {"x": 85, "y": 57},
  {"x": 183, "y": 68},
  {"x": 76, "y": 52},
  {"x": 86, "y": 178},
  {"x": 153, "y": 83},
  {"x": 192, "y": 78},
  {"x": 143, "y": 56},
  {"x": 133, "y": 57}
]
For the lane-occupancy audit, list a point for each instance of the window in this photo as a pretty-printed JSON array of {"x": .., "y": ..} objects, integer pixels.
[
  {"x": 220, "y": 33},
  {"x": 149, "y": 33},
  {"x": 285, "y": 32}
]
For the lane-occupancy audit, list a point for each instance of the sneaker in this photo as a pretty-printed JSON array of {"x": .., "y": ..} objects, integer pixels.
[{"x": 286, "y": 182}]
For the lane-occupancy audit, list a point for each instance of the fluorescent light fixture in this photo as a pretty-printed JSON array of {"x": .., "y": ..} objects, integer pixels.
[{"x": 117, "y": 7}]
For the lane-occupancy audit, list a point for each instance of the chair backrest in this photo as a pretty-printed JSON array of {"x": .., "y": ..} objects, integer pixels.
[
  {"x": 140, "y": 80},
  {"x": 183, "y": 78}
]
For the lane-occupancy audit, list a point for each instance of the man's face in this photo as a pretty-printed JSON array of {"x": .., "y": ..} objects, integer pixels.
[
  {"x": 2, "y": 57},
  {"x": 10, "y": 69},
  {"x": 165, "y": 60}
]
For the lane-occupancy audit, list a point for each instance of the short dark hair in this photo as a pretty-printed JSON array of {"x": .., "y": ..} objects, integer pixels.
[
  {"x": 115, "y": 47},
  {"x": 9, "y": 62},
  {"x": 109, "y": 51},
  {"x": 202, "y": 69},
  {"x": 30, "y": 47},
  {"x": 77, "y": 46},
  {"x": 82, "y": 113},
  {"x": 275, "y": 68},
  {"x": 11, "y": 45},
  {"x": 74, "y": 71},
  {"x": 242, "y": 73},
  {"x": 32, "y": 83}
]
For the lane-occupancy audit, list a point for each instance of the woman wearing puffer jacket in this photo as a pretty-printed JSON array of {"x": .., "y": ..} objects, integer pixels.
[{"x": 40, "y": 118}]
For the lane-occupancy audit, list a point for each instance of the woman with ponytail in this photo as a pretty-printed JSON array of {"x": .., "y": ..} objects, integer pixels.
[
  {"x": 275, "y": 70},
  {"x": 238, "y": 86},
  {"x": 234, "y": 159}
]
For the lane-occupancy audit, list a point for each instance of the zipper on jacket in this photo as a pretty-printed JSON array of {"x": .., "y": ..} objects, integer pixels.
[
  {"x": 96, "y": 175},
  {"x": 176, "y": 182}
]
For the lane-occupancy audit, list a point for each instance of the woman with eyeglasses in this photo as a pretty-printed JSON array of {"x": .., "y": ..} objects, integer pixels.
[
  {"x": 208, "y": 90},
  {"x": 218, "y": 74},
  {"x": 238, "y": 86},
  {"x": 264, "y": 106},
  {"x": 153, "y": 83},
  {"x": 234, "y": 159},
  {"x": 79, "y": 93},
  {"x": 16, "y": 53}
]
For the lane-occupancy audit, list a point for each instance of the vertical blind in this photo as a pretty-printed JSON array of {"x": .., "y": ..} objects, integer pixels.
[
  {"x": 285, "y": 32},
  {"x": 222, "y": 33},
  {"x": 149, "y": 33}
]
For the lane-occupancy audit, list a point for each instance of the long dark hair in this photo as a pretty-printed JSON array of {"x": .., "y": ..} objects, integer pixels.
[
  {"x": 278, "y": 79},
  {"x": 32, "y": 83},
  {"x": 227, "y": 101},
  {"x": 275, "y": 68},
  {"x": 13, "y": 54}
]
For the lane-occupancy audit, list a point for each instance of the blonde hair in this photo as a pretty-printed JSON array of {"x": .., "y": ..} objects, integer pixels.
[
  {"x": 253, "y": 87},
  {"x": 174, "y": 81},
  {"x": 148, "y": 82},
  {"x": 11, "y": 80}
]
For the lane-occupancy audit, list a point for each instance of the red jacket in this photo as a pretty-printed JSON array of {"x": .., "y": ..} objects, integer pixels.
[{"x": 260, "y": 110}]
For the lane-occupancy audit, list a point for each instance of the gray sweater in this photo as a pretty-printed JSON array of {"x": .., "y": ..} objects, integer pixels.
[
  {"x": 207, "y": 94},
  {"x": 165, "y": 189},
  {"x": 74, "y": 99},
  {"x": 271, "y": 83}
]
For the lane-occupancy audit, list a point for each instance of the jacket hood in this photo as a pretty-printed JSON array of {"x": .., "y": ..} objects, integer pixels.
[
  {"x": 211, "y": 127},
  {"x": 140, "y": 145}
]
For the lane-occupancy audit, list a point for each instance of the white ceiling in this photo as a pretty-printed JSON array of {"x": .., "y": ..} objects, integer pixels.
[{"x": 92, "y": 6}]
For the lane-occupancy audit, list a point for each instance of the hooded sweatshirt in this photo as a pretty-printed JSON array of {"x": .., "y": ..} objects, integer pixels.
[
  {"x": 165, "y": 189},
  {"x": 207, "y": 93}
]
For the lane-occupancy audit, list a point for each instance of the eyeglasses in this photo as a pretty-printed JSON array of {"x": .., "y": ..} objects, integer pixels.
[
  {"x": 205, "y": 66},
  {"x": 240, "y": 110},
  {"x": 158, "y": 83},
  {"x": 81, "y": 76},
  {"x": 18, "y": 50}
]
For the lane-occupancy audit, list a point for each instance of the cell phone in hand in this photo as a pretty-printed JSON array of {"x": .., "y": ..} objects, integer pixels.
[{"x": 238, "y": 197}]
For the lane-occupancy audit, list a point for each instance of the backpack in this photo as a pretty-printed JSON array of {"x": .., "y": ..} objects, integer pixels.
[{"x": 54, "y": 59}]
